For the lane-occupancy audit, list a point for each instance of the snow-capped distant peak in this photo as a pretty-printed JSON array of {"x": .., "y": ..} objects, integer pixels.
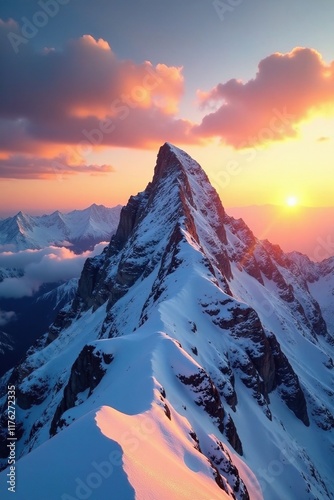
[{"x": 80, "y": 228}]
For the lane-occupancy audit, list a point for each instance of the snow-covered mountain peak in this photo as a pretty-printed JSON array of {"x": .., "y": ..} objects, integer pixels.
[
  {"x": 21, "y": 215},
  {"x": 170, "y": 158},
  {"x": 179, "y": 193},
  {"x": 173, "y": 163},
  {"x": 189, "y": 321},
  {"x": 24, "y": 222}
]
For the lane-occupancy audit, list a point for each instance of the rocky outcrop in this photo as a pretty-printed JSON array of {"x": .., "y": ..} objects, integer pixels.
[
  {"x": 89, "y": 278},
  {"x": 265, "y": 261},
  {"x": 220, "y": 458},
  {"x": 34, "y": 394},
  {"x": 128, "y": 219},
  {"x": 63, "y": 319},
  {"x": 288, "y": 383},
  {"x": 206, "y": 395},
  {"x": 86, "y": 373},
  {"x": 243, "y": 324},
  {"x": 262, "y": 364},
  {"x": 226, "y": 386}
]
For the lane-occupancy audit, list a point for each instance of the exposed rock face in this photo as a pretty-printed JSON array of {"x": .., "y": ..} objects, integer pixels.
[
  {"x": 86, "y": 373},
  {"x": 262, "y": 260},
  {"x": 263, "y": 366},
  {"x": 128, "y": 219},
  {"x": 63, "y": 320},
  {"x": 220, "y": 457},
  {"x": 27, "y": 394},
  {"x": 87, "y": 283},
  {"x": 34, "y": 396},
  {"x": 288, "y": 383},
  {"x": 208, "y": 397}
]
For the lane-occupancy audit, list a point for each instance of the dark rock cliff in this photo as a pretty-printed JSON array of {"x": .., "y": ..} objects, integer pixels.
[{"x": 86, "y": 373}]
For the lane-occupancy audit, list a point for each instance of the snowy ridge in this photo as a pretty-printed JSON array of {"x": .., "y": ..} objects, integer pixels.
[
  {"x": 6, "y": 343},
  {"x": 79, "y": 228},
  {"x": 193, "y": 362},
  {"x": 62, "y": 294},
  {"x": 9, "y": 273}
]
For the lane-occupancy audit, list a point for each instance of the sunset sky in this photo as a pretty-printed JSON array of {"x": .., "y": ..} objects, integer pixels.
[{"x": 90, "y": 90}]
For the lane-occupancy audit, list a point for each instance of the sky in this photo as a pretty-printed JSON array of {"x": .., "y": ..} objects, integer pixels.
[{"x": 89, "y": 91}]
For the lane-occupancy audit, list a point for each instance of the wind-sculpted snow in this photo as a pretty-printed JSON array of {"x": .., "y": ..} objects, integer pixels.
[{"x": 193, "y": 362}]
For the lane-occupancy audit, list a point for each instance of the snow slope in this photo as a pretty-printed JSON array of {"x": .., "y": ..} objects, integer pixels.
[{"x": 61, "y": 294}]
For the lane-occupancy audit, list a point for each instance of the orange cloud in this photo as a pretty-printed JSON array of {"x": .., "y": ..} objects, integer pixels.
[
  {"x": 287, "y": 89},
  {"x": 84, "y": 97},
  {"x": 100, "y": 43}
]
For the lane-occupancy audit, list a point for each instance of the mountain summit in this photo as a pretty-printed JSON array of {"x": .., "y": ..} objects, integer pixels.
[{"x": 193, "y": 362}]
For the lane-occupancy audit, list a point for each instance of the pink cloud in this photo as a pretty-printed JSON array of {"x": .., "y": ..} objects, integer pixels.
[
  {"x": 25, "y": 166},
  {"x": 86, "y": 97},
  {"x": 287, "y": 89}
]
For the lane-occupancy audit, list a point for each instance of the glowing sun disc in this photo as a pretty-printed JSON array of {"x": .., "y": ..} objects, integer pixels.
[{"x": 291, "y": 201}]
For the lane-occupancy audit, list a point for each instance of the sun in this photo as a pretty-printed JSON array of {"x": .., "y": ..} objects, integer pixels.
[{"x": 291, "y": 201}]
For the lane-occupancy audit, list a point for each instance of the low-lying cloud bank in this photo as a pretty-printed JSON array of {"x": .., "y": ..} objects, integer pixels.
[
  {"x": 49, "y": 265},
  {"x": 6, "y": 317}
]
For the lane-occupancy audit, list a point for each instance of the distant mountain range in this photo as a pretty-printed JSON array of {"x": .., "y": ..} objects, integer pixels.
[
  {"x": 79, "y": 229},
  {"x": 309, "y": 230}
]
